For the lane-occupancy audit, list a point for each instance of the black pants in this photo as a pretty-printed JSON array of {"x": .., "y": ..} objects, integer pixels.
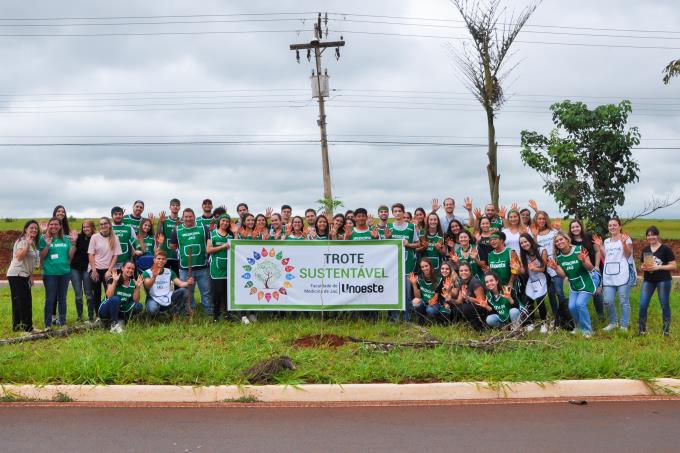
[
  {"x": 539, "y": 303},
  {"x": 22, "y": 303},
  {"x": 471, "y": 313},
  {"x": 173, "y": 265},
  {"x": 97, "y": 289},
  {"x": 218, "y": 288}
]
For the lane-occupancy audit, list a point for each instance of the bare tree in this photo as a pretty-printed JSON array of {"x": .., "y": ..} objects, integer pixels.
[
  {"x": 651, "y": 206},
  {"x": 671, "y": 70},
  {"x": 483, "y": 64}
]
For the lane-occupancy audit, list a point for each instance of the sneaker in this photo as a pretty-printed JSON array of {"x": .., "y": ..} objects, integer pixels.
[
  {"x": 573, "y": 332},
  {"x": 252, "y": 318},
  {"x": 544, "y": 328},
  {"x": 530, "y": 328},
  {"x": 116, "y": 327},
  {"x": 245, "y": 320},
  {"x": 97, "y": 323},
  {"x": 642, "y": 333},
  {"x": 623, "y": 329},
  {"x": 609, "y": 328},
  {"x": 587, "y": 335}
]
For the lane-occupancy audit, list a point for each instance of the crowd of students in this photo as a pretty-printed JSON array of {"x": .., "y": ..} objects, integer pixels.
[{"x": 493, "y": 268}]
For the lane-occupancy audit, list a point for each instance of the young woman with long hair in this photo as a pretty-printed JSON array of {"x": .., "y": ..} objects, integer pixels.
[
  {"x": 246, "y": 230},
  {"x": 470, "y": 305},
  {"x": 619, "y": 274},
  {"x": 56, "y": 252},
  {"x": 579, "y": 236},
  {"x": 296, "y": 229},
  {"x": 483, "y": 239},
  {"x": 454, "y": 228},
  {"x": 573, "y": 263},
  {"x": 320, "y": 231},
  {"x": 425, "y": 298},
  {"x": 536, "y": 288},
  {"x": 146, "y": 237},
  {"x": 25, "y": 259},
  {"x": 261, "y": 227},
  {"x": 218, "y": 249},
  {"x": 467, "y": 253},
  {"x": 658, "y": 260},
  {"x": 435, "y": 240},
  {"x": 447, "y": 290},
  {"x": 102, "y": 254},
  {"x": 500, "y": 301},
  {"x": 60, "y": 213},
  {"x": 544, "y": 234},
  {"x": 276, "y": 230},
  {"x": 122, "y": 297},
  {"x": 79, "y": 279},
  {"x": 337, "y": 230},
  {"x": 419, "y": 221}
]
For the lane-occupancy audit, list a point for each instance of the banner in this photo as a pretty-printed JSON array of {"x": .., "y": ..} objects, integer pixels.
[{"x": 316, "y": 275}]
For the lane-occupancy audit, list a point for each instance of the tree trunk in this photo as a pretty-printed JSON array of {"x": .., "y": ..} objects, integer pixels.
[{"x": 492, "y": 167}]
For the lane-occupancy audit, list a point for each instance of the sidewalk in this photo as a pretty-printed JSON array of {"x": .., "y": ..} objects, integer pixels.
[{"x": 344, "y": 393}]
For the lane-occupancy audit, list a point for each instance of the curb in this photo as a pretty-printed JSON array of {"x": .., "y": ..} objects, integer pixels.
[{"x": 315, "y": 393}]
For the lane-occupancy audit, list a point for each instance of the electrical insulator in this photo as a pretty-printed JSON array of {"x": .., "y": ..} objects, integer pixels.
[
  {"x": 309, "y": 54},
  {"x": 297, "y": 56},
  {"x": 337, "y": 53}
]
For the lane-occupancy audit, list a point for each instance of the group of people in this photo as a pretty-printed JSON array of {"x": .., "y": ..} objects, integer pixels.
[{"x": 493, "y": 268}]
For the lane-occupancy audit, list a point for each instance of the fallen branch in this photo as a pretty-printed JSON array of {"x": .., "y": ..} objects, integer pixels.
[{"x": 42, "y": 335}]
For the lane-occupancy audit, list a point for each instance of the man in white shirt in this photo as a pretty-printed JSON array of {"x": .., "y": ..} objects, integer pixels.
[{"x": 159, "y": 282}]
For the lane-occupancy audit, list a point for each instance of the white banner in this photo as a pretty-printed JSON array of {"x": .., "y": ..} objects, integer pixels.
[{"x": 316, "y": 275}]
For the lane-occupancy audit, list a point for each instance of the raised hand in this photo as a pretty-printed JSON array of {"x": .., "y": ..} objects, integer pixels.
[
  {"x": 161, "y": 218},
  {"x": 439, "y": 245},
  {"x": 268, "y": 212},
  {"x": 514, "y": 207},
  {"x": 388, "y": 233},
  {"x": 48, "y": 239},
  {"x": 478, "y": 213},
  {"x": 450, "y": 244},
  {"x": 557, "y": 223},
  {"x": 150, "y": 216},
  {"x": 583, "y": 255},
  {"x": 412, "y": 278},
  {"x": 507, "y": 293},
  {"x": 370, "y": 220},
  {"x": 160, "y": 238},
  {"x": 624, "y": 238},
  {"x": 115, "y": 275},
  {"x": 533, "y": 205},
  {"x": 43, "y": 227},
  {"x": 502, "y": 211},
  {"x": 139, "y": 281},
  {"x": 454, "y": 257},
  {"x": 467, "y": 204},
  {"x": 374, "y": 233},
  {"x": 333, "y": 232},
  {"x": 597, "y": 240},
  {"x": 552, "y": 264},
  {"x": 289, "y": 228},
  {"x": 474, "y": 253},
  {"x": 233, "y": 228},
  {"x": 435, "y": 204},
  {"x": 73, "y": 235}
]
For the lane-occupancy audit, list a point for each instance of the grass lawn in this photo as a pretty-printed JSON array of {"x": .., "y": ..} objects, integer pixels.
[
  {"x": 670, "y": 228},
  {"x": 204, "y": 353}
]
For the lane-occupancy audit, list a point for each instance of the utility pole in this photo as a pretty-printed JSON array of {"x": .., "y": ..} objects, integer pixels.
[{"x": 320, "y": 90}]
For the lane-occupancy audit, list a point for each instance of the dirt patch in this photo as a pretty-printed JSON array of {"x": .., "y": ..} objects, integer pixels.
[{"x": 320, "y": 341}]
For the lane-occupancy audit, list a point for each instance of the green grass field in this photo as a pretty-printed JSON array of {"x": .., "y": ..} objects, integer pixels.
[
  {"x": 670, "y": 228},
  {"x": 204, "y": 353}
]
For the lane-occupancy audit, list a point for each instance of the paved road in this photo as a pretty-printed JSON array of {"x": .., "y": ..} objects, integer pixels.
[{"x": 598, "y": 427}]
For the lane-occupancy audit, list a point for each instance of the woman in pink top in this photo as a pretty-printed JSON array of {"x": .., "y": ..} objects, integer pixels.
[{"x": 102, "y": 254}]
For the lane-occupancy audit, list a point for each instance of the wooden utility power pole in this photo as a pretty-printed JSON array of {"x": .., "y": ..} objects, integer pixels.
[{"x": 320, "y": 87}]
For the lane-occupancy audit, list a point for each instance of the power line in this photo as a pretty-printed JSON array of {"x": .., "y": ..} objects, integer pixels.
[
  {"x": 176, "y": 16},
  {"x": 152, "y": 33}
]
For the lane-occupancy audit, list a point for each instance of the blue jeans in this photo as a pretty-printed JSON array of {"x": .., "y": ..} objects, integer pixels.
[
  {"x": 609, "y": 294},
  {"x": 495, "y": 321},
  {"x": 578, "y": 307},
  {"x": 56, "y": 289},
  {"x": 178, "y": 300},
  {"x": 646, "y": 293},
  {"x": 80, "y": 281},
  {"x": 202, "y": 279},
  {"x": 110, "y": 310}
]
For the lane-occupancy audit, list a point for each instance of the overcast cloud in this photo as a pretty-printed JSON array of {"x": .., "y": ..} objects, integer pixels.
[{"x": 197, "y": 72}]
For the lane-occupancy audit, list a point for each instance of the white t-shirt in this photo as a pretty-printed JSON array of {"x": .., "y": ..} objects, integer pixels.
[
  {"x": 547, "y": 242},
  {"x": 512, "y": 240},
  {"x": 537, "y": 284},
  {"x": 161, "y": 290},
  {"x": 616, "y": 271}
]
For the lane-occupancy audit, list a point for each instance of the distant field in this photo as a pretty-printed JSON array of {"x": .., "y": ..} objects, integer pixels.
[{"x": 670, "y": 228}]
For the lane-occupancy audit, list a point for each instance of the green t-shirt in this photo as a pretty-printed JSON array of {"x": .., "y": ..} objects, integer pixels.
[
  {"x": 361, "y": 235},
  {"x": 193, "y": 238},
  {"x": 204, "y": 221},
  {"x": 500, "y": 305},
  {"x": 408, "y": 233},
  {"x": 497, "y": 223},
  {"x": 132, "y": 221},
  {"x": 499, "y": 262},
  {"x": 427, "y": 289},
  {"x": 578, "y": 275},
  {"x": 218, "y": 260},
  {"x": 295, "y": 238},
  {"x": 56, "y": 261},
  {"x": 474, "y": 268},
  {"x": 125, "y": 293},
  {"x": 128, "y": 241},
  {"x": 168, "y": 228},
  {"x": 431, "y": 251},
  {"x": 150, "y": 245}
]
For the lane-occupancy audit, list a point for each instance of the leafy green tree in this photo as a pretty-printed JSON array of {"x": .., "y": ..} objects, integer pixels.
[
  {"x": 268, "y": 273},
  {"x": 671, "y": 70},
  {"x": 587, "y": 160}
]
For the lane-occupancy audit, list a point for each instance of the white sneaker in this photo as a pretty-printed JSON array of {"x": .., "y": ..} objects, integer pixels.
[
  {"x": 117, "y": 327},
  {"x": 609, "y": 328},
  {"x": 245, "y": 320},
  {"x": 530, "y": 328},
  {"x": 623, "y": 329},
  {"x": 573, "y": 332},
  {"x": 252, "y": 318},
  {"x": 544, "y": 328},
  {"x": 97, "y": 323}
]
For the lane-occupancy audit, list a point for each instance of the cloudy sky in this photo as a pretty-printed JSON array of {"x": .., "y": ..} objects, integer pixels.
[{"x": 176, "y": 71}]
